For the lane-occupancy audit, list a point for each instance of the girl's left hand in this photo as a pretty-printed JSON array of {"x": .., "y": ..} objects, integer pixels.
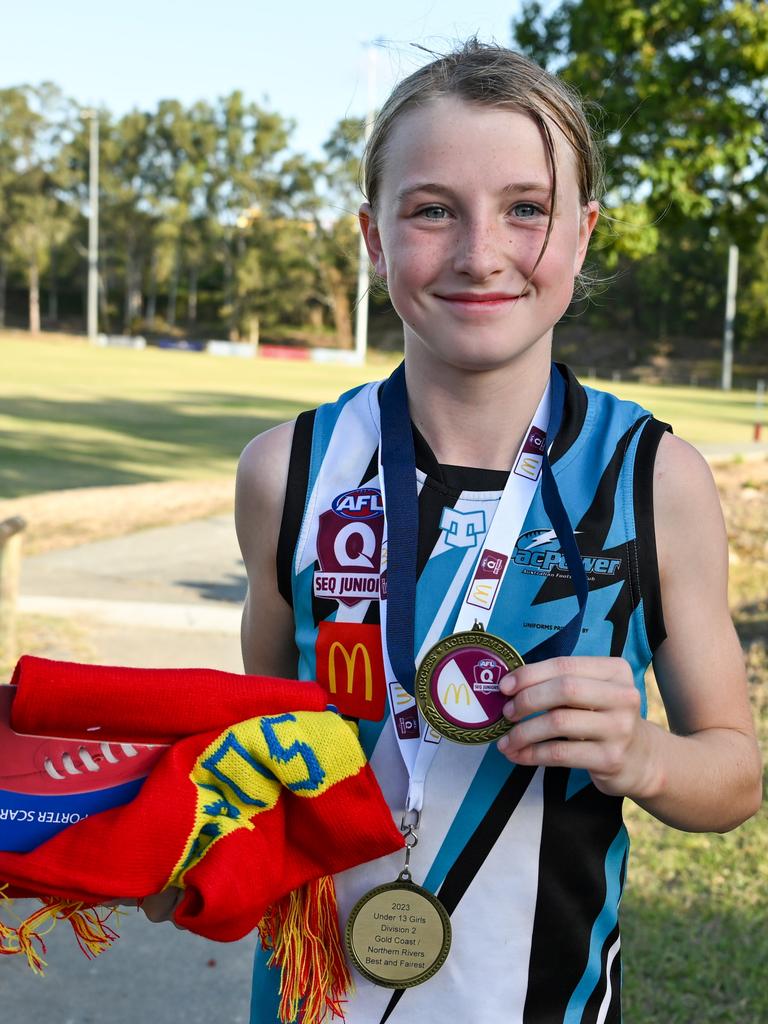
[
  {"x": 579, "y": 712},
  {"x": 160, "y": 906}
]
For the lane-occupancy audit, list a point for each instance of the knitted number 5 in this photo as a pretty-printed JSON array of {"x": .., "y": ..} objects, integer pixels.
[{"x": 285, "y": 754}]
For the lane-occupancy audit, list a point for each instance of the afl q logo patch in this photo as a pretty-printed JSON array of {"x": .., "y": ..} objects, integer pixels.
[{"x": 349, "y": 537}]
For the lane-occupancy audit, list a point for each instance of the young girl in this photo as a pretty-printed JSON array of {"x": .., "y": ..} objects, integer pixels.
[{"x": 560, "y": 520}]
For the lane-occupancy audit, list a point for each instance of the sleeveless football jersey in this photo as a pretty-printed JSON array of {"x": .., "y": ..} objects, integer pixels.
[{"x": 529, "y": 862}]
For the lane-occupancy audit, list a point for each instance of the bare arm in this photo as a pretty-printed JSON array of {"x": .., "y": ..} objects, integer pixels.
[
  {"x": 708, "y": 773},
  {"x": 267, "y": 626},
  {"x": 704, "y": 774}
]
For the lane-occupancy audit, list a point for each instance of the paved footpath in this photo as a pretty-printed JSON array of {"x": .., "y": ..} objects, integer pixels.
[{"x": 164, "y": 597}]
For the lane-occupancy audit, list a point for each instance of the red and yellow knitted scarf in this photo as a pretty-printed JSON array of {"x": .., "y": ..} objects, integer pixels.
[{"x": 261, "y": 796}]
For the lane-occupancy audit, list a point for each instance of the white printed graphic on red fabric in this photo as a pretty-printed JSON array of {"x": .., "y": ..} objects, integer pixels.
[{"x": 349, "y": 547}]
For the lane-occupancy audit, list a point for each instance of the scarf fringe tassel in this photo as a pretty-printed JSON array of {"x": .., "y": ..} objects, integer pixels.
[
  {"x": 302, "y": 931},
  {"x": 26, "y": 938}
]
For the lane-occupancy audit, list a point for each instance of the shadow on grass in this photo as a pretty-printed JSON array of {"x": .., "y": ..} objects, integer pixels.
[
  {"x": 687, "y": 962},
  {"x": 61, "y": 444}
]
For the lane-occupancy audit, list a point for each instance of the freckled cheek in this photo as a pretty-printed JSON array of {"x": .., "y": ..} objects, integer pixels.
[
  {"x": 414, "y": 265},
  {"x": 557, "y": 263},
  {"x": 525, "y": 251}
]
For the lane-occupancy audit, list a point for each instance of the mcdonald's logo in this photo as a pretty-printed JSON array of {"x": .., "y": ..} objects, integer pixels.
[
  {"x": 529, "y": 465},
  {"x": 452, "y": 690},
  {"x": 349, "y": 662},
  {"x": 350, "y": 667},
  {"x": 482, "y": 594}
]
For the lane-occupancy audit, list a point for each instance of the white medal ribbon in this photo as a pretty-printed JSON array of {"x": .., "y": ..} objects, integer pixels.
[{"x": 488, "y": 570}]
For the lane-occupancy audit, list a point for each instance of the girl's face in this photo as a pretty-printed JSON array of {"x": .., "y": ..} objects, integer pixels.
[{"x": 460, "y": 221}]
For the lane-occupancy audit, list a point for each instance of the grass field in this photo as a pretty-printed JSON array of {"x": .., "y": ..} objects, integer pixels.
[
  {"x": 140, "y": 430},
  {"x": 75, "y": 416}
]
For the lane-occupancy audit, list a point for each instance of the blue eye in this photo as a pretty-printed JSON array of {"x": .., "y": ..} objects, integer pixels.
[
  {"x": 527, "y": 211},
  {"x": 433, "y": 212}
]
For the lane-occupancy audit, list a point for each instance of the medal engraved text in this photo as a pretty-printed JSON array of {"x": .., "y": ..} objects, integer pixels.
[{"x": 398, "y": 940}]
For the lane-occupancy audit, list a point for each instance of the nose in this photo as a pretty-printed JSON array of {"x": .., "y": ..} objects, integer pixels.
[{"x": 480, "y": 249}]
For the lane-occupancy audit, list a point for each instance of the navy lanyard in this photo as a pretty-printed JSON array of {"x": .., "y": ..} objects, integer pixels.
[{"x": 398, "y": 460}]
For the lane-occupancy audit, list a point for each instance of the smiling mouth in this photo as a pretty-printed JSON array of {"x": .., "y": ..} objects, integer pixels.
[{"x": 480, "y": 301}]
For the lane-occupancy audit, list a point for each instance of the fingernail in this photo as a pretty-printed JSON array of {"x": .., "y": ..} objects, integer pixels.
[
  {"x": 509, "y": 709},
  {"x": 503, "y": 743},
  {"x": 508, "y": 684}
]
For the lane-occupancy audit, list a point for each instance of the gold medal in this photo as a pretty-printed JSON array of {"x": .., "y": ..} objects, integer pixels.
[
  {"x": 399, "y": 934},
  {"x": 457, "y": 686}
]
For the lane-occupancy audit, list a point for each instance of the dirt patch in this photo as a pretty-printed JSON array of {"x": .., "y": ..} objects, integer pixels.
[
  {"x": 743, "y": 487},
  {"x": 64, "y": 519}
]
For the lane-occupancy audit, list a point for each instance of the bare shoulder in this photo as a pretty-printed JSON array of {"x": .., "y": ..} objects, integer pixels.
[
  {"x": 263, "y": 465},
  {"x": 681, "y": 469},
  {"x": 262, "y": 473},
  {"x": 267, "y": 627},
  {"x": 687, "y": 512}
]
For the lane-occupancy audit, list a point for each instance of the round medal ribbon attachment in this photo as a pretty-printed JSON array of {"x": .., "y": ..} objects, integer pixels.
[
  {"x": 398, "y": 935},
  {"x": 457, "y": 686}
]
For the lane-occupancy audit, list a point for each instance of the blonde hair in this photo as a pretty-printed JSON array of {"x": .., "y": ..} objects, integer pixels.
[{"x": 494, "y": 76}]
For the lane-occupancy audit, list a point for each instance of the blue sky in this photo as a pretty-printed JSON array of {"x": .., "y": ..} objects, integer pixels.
[{"x": 308, "y": 58}]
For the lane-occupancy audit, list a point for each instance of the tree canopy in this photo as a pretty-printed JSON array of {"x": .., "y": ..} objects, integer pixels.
[{"x": 678, "y": 92}]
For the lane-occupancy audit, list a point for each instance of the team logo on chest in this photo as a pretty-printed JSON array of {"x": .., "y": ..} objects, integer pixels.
[
  {"x": 349, "y": 539},
  {"x": 462, "y": 529},
  {"x": 538, "y": 553}
]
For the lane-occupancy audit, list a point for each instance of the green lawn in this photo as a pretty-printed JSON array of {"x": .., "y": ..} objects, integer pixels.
[
  {"x": 695, "y": 910},
  {"x": 700, "y": 415},
  {"x": 76, "y": 416}
]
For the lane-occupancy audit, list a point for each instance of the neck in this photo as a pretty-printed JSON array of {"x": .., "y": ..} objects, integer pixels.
[{"x": 475, "y": 418}]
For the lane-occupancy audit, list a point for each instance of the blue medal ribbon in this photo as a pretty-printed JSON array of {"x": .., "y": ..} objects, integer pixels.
[{"x": 398, "y": 460}]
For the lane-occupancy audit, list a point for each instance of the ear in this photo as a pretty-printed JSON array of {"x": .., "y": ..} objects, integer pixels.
[
  {"x": 372, "y": 238},
  {"x": 587, "y": 222}
]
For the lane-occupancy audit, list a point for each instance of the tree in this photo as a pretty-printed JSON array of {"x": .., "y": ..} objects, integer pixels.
[
  {"x": 16, "y": 138},
  {"x": 34, "y": 215},
  {"x": 338, "y": 249},
  {"x": 275, "y": 227}
]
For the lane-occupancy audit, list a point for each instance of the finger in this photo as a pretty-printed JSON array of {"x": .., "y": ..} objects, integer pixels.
[
  {"x": 161, "y": 906},
  {"x": 559, "y": 754},
  {"x": 561, "y": 723},
  {"x": 572, "y": 692},
  {"x": 553, "y": 668}
]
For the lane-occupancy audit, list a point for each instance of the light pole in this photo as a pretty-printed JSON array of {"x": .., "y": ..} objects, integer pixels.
[
  {"x": 726, "y": 379},
  {"x": 361, "y": 304},
  {"x": 93, "y": 225}
]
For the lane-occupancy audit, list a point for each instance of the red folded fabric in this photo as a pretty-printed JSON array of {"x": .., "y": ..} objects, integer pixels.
[
  {"x": 156, "y": 705},
  {"x": 270, "y": 793}
]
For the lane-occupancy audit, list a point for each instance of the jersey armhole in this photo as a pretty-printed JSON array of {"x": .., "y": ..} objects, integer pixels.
[
  {"x": 295, "y": 499},
  {"x": 647, "y": 556}
]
